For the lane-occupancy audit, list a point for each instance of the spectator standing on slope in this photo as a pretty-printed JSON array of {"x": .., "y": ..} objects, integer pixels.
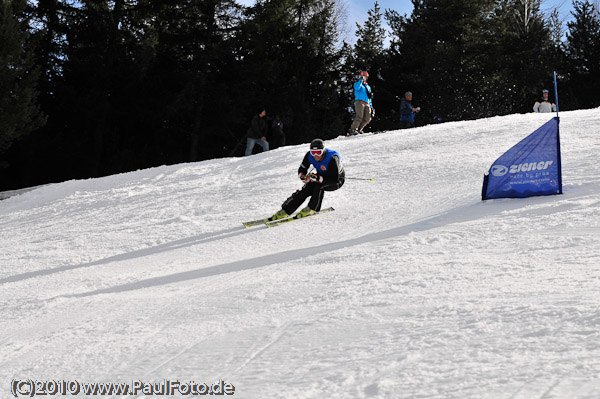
[
  {"x": 544, "y": 105},
  {"x": 363, "y": 104},
  {"x": 407, "y": 111},
  {"x": 257, "y": 133}
]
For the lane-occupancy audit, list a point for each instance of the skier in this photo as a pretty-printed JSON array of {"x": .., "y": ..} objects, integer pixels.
[
  {"x": 329, "y": 175},
  {"x": 545, "y": 105},
  {"x": 363, "y": 104}
]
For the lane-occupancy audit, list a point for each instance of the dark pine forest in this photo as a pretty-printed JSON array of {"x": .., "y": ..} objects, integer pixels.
[{"x": 91, "y": 88}]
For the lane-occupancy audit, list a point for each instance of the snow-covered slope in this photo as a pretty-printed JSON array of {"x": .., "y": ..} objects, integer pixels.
[{"x": 412, "y": 288}]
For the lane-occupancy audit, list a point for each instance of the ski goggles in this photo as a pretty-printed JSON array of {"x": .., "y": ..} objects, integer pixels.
[{"x": 317, "y": 153}]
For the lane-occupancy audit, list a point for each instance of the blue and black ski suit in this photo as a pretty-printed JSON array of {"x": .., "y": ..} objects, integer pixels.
[{"x": 330, "y": 167}]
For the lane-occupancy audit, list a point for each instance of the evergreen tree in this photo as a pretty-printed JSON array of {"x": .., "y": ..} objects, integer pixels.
[
  {"x": 526, "y": 15},
  {"x": 47, "y": 32},
  {"x": 292, "y": 67},
  {"x": 31, "y": 158},
  {"x": 443, "y": 49},
  {"x": 96, "y": 74},
  {"x": 557, "y": 53},
  {"x": 19, "y": 111},
  {"x": 555, "y": 25},
  {"x": 525, "y": 54},
  {"x": 192, "y": 79},
  {"x": 583, "y": 52},
  {"x": 326, "y": 93},
  {"x": 369, "y": 40},
  {"x": 393, "y": 73},
  {"x": 273, "y": 66}
]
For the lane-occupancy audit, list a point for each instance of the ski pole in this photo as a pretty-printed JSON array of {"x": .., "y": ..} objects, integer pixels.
[{"x": 359, "y": 178}]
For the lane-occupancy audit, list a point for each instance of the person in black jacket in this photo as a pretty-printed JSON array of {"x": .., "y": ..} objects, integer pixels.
[
  {"x": 257, "y": 133},
  {"x": 328, "y": 175}
]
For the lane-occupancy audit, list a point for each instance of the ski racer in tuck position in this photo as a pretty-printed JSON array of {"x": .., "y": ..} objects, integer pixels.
[{"x": 328, "y": 175}]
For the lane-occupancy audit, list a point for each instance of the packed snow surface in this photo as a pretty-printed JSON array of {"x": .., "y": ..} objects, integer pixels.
[{"x": 412, "y": 288}]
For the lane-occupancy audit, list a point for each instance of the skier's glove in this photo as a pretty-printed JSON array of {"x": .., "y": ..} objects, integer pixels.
[
  {"x": 304, "y": 178},
  {"x": 315, "y": 178}
]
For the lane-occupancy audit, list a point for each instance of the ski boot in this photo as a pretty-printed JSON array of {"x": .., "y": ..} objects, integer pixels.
[
  {"x": 281, "y": 214},
  {"x": 304, "y": 212}
]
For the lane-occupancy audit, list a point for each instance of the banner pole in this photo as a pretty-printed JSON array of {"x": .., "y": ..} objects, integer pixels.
[
  {"x": 555, "y": 94},
  {"x": 560, "y": 191}
]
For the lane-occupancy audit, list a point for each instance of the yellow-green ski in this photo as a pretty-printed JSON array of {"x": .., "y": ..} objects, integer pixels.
[{"x": 292, "y": 218}]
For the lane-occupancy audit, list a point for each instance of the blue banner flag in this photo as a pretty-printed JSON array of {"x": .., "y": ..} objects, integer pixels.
[{"x": 530, "y": 168}]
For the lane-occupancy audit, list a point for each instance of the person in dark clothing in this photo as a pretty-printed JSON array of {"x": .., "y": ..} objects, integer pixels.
[
  {"x": 407, "y": 111},
  {"x": 277, "y": 134},
  {"x": 257, "y": 133},
  {"x": 328, "y": 175}
]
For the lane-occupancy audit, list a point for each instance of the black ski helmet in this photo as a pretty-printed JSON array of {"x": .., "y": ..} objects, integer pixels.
[{"x": 317, "y": 144}]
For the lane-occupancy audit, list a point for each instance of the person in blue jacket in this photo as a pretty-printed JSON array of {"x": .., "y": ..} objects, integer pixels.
[
  {"x": 363, "y": 104},
  {"x": 407, "y": 111},
  {"x": 328, "y": 175}
]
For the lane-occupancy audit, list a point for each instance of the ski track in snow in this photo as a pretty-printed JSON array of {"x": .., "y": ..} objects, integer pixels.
[{"x": 412, "y": 288}]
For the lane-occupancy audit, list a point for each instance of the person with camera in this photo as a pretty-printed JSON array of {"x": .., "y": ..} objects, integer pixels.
[
  {"x": 363, "y": 104},
  {"x": 408, "y": 112}
]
